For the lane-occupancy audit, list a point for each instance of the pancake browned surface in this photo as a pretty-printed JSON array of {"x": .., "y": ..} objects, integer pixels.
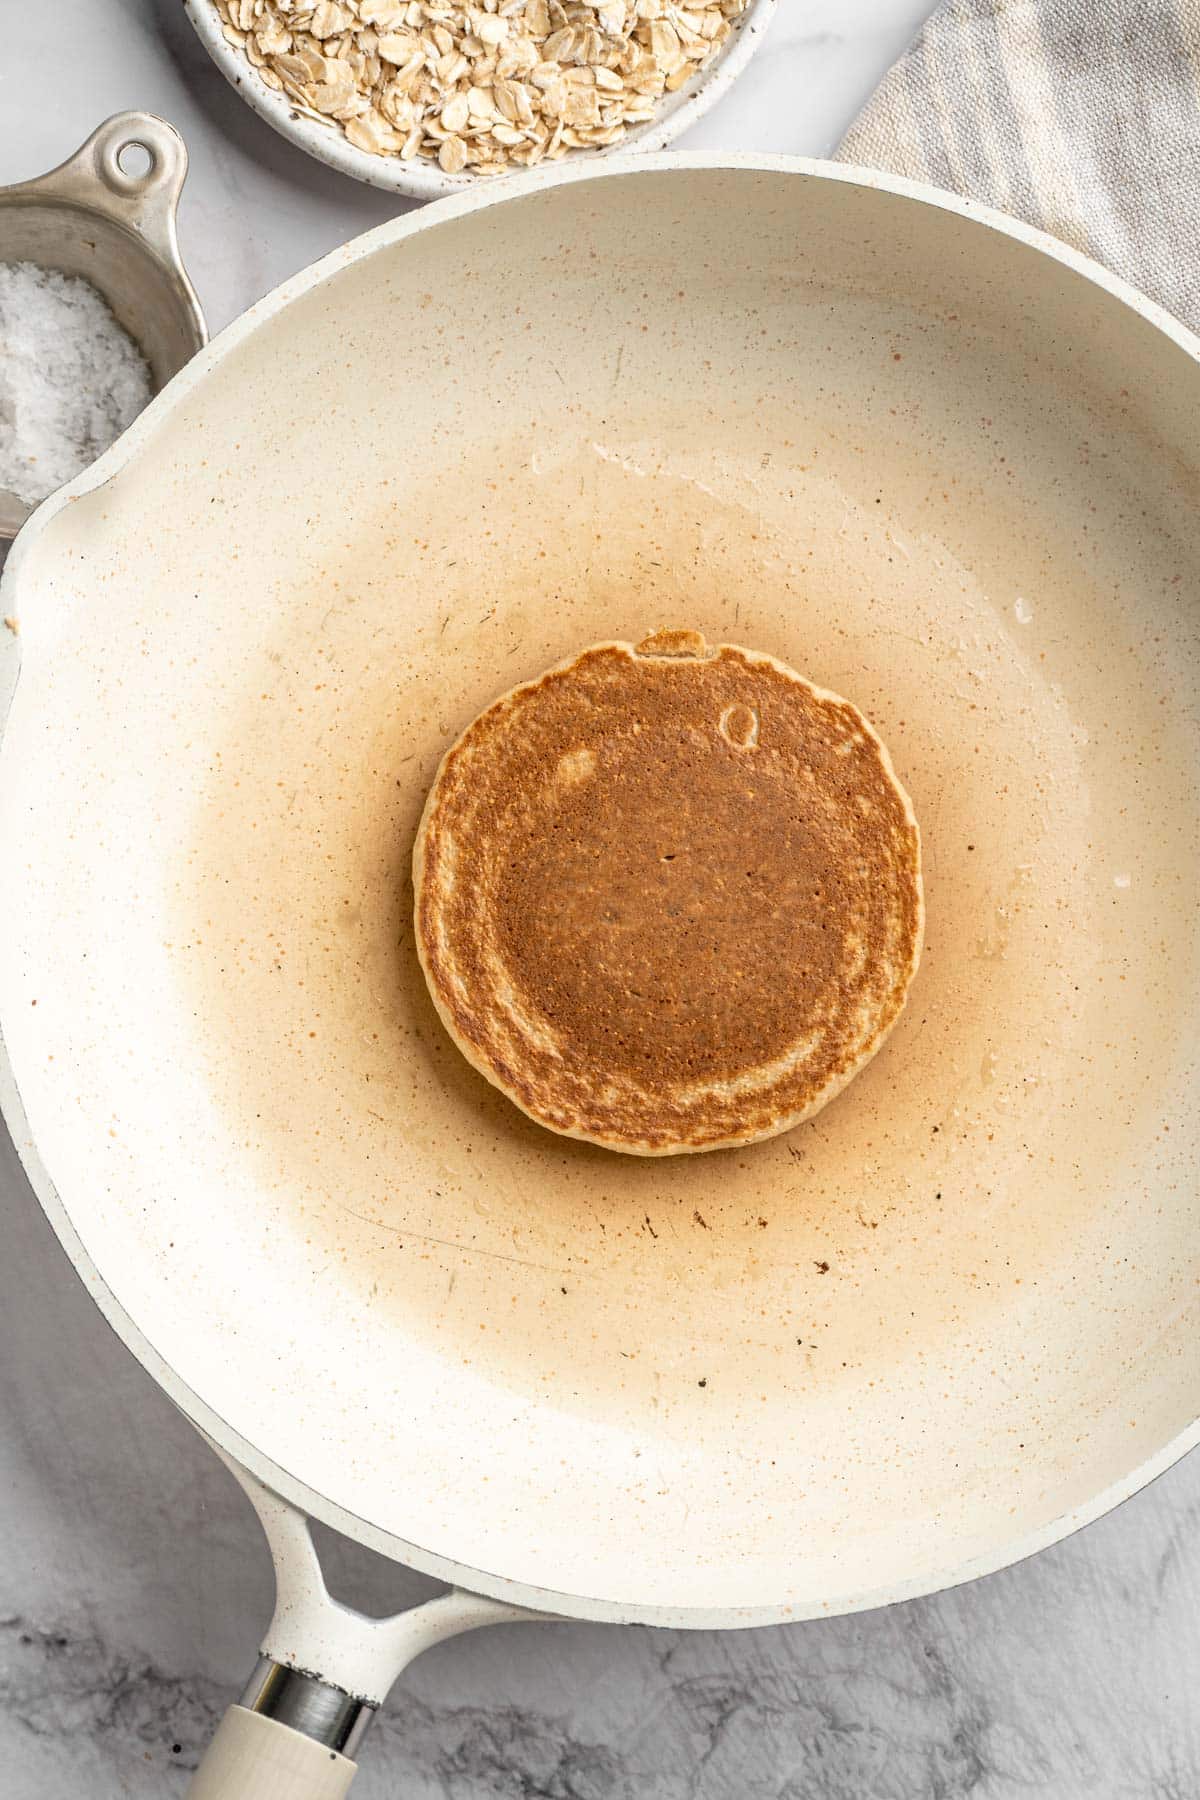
[{"x": 668, "y": 898}]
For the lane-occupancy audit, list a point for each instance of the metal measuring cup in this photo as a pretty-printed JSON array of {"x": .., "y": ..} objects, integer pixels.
[{"x": 91, "y": 217}]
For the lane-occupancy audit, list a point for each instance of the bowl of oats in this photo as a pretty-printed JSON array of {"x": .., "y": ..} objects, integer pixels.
[{"x": 423, "y": 96}]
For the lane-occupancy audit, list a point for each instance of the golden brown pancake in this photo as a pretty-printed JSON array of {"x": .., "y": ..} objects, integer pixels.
[{"x": 668, "y": 898}]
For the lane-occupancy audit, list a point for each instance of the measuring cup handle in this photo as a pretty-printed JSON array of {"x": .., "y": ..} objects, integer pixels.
[{"x": 143, "y": 201}]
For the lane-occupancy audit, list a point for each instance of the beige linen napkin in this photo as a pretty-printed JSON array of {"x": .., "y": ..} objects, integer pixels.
[{"x": 1079, "y": 116}]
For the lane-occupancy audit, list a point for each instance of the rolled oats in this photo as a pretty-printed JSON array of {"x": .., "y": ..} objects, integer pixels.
[{"x": 479, "y": 87}]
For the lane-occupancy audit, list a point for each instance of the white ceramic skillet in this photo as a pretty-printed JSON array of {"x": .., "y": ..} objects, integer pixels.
[{"x": 934, "y": 461}]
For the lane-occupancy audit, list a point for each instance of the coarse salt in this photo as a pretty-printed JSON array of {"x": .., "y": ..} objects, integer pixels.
[{"x": 70, "y": 379}]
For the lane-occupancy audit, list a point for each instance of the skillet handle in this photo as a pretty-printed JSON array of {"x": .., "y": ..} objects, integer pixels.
[
  {"x": 323, "y": 1672},
  {"x": 253, "y": 1757}
]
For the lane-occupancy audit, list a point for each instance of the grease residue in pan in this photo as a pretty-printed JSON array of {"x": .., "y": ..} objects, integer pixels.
[
  {"x": 971, "y": 1305},
  {"x": 959, "y": 580}
]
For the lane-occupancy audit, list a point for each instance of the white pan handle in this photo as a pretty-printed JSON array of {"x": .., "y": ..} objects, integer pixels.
[
  {"x": 324, "y": 1671},
  {"x": 255, "y": 1758}
]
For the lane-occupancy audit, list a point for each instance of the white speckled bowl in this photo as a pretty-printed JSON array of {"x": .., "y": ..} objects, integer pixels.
[{"x": 425, "y": 180}]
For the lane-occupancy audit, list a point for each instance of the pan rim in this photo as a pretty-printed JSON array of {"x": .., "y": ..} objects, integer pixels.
[{"x": 282, "y": 1481}]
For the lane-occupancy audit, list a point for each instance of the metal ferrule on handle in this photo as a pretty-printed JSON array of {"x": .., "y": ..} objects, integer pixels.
[
  {"x": 292, "y": 1737},
  {"x": 328, "y": 1715},
  {"x": 253, "y": 1757}
]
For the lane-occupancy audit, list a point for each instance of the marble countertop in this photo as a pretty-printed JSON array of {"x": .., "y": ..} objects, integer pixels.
[{"x": 133, "y": 1581}]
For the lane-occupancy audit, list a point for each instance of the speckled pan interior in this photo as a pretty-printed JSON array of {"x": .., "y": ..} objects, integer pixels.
[{"x": 923, "y": 462}]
